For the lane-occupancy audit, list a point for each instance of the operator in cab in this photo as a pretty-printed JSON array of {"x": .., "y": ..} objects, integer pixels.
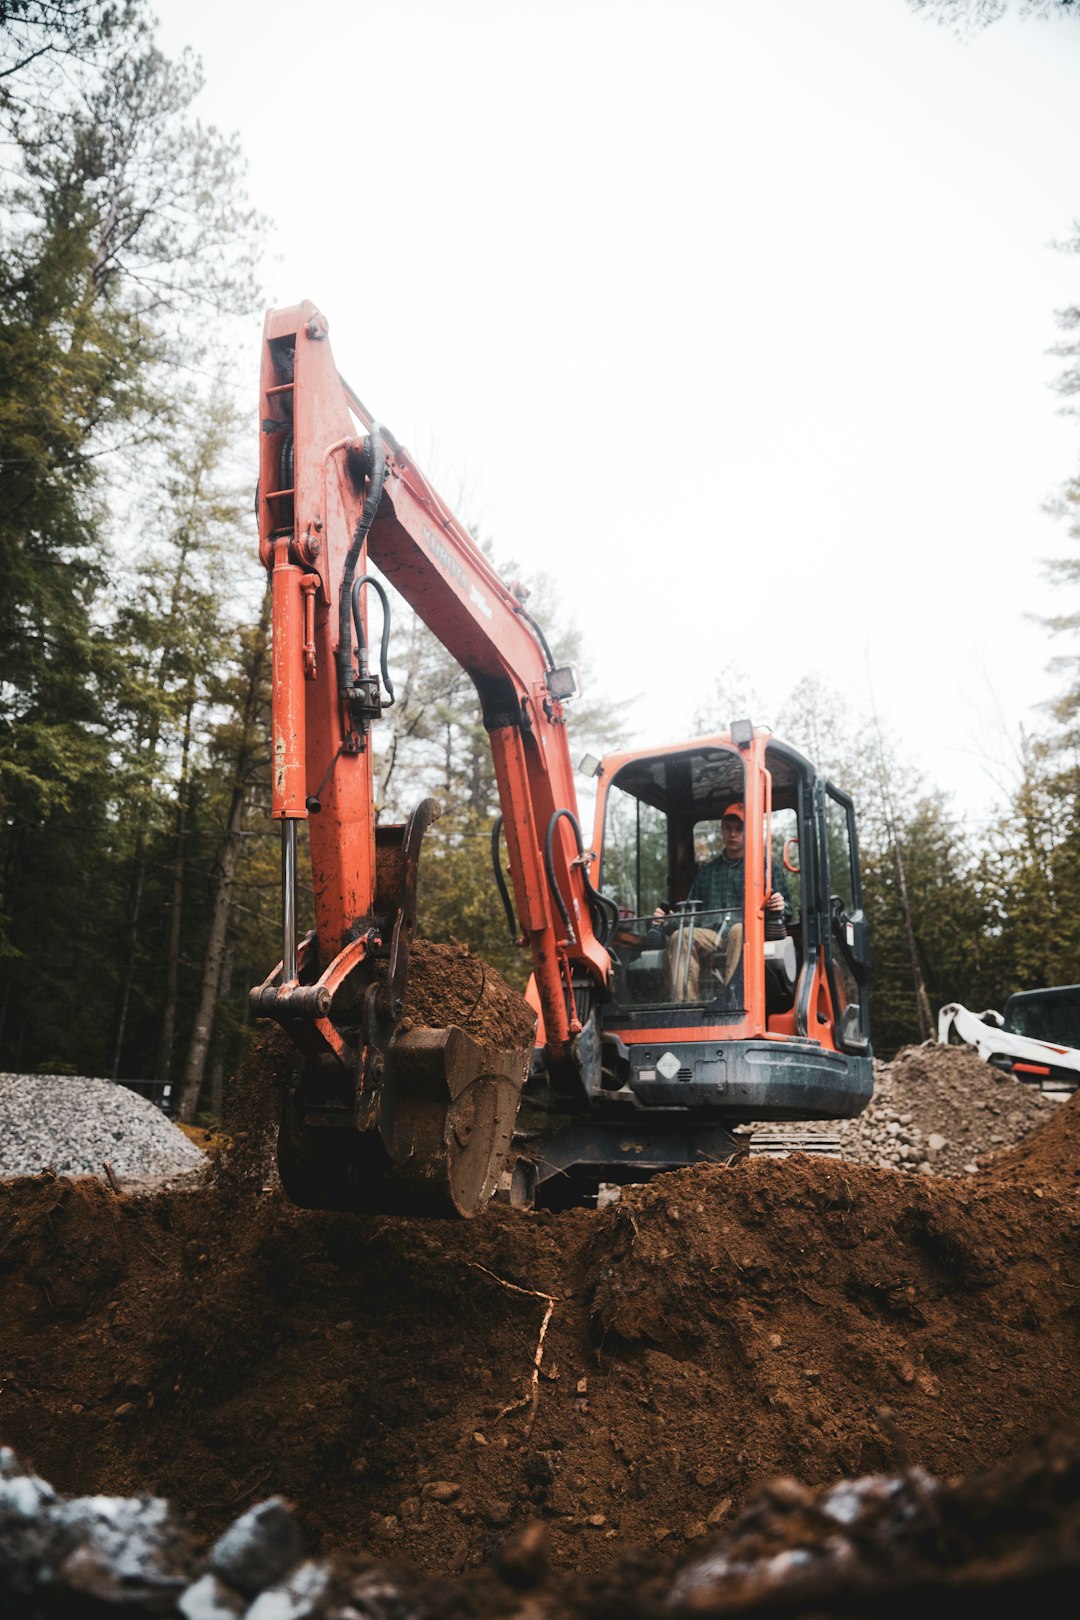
[{"x": 719, "y": 884}]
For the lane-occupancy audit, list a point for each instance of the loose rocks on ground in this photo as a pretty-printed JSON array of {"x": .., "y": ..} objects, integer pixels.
[
  {"x": 884, "y": 1543},
  {"x": 937, "y": 1108}
]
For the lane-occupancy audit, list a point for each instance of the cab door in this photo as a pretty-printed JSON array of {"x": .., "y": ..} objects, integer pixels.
[{"x": 847, "y": 943}]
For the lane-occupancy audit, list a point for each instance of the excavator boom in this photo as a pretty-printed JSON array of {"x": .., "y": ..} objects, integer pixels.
[{"x": 331, "y": 501}]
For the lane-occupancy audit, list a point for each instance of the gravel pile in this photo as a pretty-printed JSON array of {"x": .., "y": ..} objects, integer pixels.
[
  {"x": 937, "y": 1109},
  {"x": 71, "y": 1124}
]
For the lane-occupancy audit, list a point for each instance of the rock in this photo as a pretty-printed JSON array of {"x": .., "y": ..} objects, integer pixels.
[
  {"x": 211, "y": 1599},
  {"x": 294, "y": 1599},
  {"x": 522, "y": 1560},
  {"x": 786, "y": 1494},
  {"x": 440, "y": 1490},
  {"x": 936, "y": 1142},
  {"x": 256, "y": 1551}
]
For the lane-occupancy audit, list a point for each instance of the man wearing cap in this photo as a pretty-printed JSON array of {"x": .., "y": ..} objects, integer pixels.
[{"x": 719, "y": 885}]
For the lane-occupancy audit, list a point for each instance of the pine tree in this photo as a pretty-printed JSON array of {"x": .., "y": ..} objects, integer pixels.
[{"x": 126, "y": 224}]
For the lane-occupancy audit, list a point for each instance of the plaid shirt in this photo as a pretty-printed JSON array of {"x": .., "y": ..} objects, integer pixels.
[{"x": 719, "y": 885}]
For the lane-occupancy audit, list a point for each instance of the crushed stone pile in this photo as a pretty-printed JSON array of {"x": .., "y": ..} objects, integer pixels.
[
  {"x": 72, "y": 1124},
  {"x": 937, "y": 1108}
]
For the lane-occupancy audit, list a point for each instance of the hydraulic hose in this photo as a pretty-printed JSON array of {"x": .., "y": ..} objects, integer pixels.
[
  {"x": 500, "y": 880},
  {"x": 537, "y": 632},
  {"x": 361, "y": 640},
  {"x": 604, "y": 913},
  {"x": 373, "y": 449}
]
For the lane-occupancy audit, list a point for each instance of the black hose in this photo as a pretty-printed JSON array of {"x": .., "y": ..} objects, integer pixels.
[
  {"x": 373, "y": 450},
  {"x": 361, "y": 640},
  {"x": 538, "y": 633},
  {"x": 500, "y": 880},
  {"x": 603, "y": 913},
  {"x": 549, "y": 864}
]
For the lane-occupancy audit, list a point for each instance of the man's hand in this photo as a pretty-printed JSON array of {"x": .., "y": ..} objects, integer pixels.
[{"x": 775, "y": 902}]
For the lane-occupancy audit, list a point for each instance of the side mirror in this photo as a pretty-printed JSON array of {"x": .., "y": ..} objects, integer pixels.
[{"x": 791, "y": 855}]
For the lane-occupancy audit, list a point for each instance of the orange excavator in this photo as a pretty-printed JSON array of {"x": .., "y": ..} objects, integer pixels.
[{"x": 670, "y": 1006}]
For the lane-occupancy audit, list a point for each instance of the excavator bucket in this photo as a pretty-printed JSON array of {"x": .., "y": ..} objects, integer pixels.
[
  {"x": 446, "y": 1116},
  {"x": 431, "y": 1140},
  {"x": 398, "y": 1109}
]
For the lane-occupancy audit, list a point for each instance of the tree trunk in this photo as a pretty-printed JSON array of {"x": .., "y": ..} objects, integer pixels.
[
  {"x": 163, "y": 1069},
  {"x": 213, "y": 964},
  {"x": 214, "y": 957},
  {"x": 217, "y": 1067},
  {"x": 922, "y": 1000},
  {"x": 133, "y": 946}
]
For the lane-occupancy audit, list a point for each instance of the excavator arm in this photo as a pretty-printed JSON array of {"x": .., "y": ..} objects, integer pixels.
[{"x": 376, "y": 1110}]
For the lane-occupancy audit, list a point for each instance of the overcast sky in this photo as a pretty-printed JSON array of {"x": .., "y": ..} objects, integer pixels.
[{"x": 732, "y": 316}]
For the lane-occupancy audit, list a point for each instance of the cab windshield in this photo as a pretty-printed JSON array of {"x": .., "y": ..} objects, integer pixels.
[
  {"x": 1051, "y": 1016},
  {"x": 679, "y": 936}
]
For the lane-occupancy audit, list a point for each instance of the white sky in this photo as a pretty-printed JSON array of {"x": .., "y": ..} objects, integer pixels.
[{"x": 732, "y": 316}]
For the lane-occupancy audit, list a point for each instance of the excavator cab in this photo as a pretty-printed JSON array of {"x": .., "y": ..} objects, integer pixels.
[{"x": 727, "y": 1005}]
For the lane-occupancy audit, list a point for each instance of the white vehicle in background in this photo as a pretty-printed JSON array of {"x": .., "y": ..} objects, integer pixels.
[{"x": 1036, "y": 1039}]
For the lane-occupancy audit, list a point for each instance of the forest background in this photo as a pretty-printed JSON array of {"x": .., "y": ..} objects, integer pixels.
[{"x": 138, "y": 866}]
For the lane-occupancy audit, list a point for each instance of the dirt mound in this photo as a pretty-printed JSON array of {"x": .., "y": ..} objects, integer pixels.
[
  {"x": 1050, "y": 1154},
  {"x": 718, "y": 1327},
  {"x": 624, "y": 1379},
  {"x": 937, "y": 1108}
]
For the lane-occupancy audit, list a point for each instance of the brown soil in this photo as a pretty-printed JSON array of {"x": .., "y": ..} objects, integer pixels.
[
  {"x": 448, "y": 985},
  {"x": 1050, "y": 1156},
  {"x": 716, "y": 1328}
]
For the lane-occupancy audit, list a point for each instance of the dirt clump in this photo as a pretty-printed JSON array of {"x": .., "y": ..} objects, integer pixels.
[{"x": 448, "y": 985}]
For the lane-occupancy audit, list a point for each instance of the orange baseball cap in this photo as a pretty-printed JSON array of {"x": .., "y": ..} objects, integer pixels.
[{"x": 734, "y": 810}]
